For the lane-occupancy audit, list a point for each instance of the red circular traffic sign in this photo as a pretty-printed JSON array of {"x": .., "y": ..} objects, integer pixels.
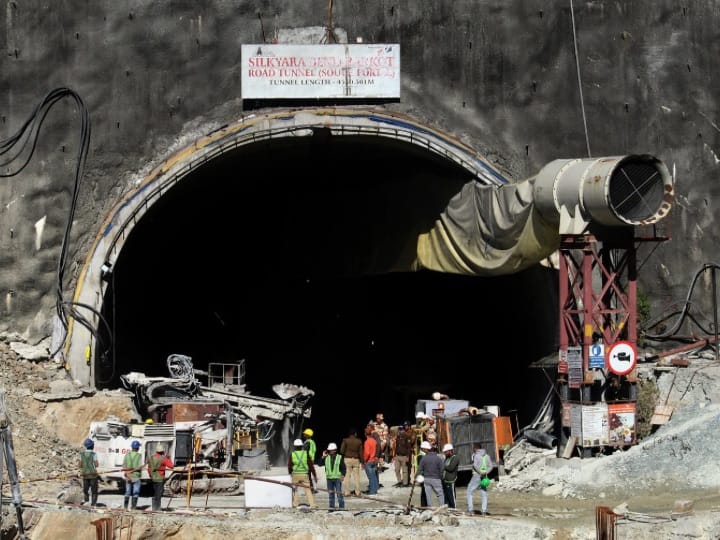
[{"x": 621, "y": 357}]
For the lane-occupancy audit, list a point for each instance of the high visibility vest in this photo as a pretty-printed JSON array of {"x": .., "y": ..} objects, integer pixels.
[
  {"x": 418, "y": 457},
  {"x": 299, "y": 459},
  {"x": 311, "y": 448},
  {"x": 87, "y": 461},
  {"x": 155, "y": 463},
  {"x": 132, "y": 461},
  {"x": 332, "y": 467},
  {"x": 483, "y": 466}
]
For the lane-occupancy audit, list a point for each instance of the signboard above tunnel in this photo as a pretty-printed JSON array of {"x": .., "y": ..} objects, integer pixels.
[{"x": 329, "y": 71}]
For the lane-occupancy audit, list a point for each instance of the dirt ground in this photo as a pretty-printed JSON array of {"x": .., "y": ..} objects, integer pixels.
[
  {"x": 47, "y": 435},
  {"x": 386, "y": 516}
]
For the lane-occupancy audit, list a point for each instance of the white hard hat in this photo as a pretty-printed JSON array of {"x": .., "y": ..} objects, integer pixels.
[
  {"x": 436, "y": 396},
  {"x": 425, "y": 445},
  {"x": 447, "y": 447},
  {"x": 419, "y": 478},
  {"x": 332, "y": 446},
  {"x": 297, "y": 442},
  {"x": 420, "y": 414}
]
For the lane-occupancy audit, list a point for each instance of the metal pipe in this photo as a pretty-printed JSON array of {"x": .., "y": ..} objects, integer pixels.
[
  {"x": 612, "y": 191},
  {"x": 715, "y": 310},
  {"x": 540, "y": 438}
]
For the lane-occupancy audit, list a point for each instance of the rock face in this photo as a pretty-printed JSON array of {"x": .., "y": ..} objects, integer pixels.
[{"x": 508, "y": 84}]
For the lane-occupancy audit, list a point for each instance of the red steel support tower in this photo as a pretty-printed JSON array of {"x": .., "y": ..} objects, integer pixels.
[{"x": 598, "y": 314}]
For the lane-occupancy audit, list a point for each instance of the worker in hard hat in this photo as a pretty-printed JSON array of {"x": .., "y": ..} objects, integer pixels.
[
  {"x": 88, "y": 465},
  {"x": 430, "y": 468},
  {"x": 309, "y": 443},
  {"x": 450, "y": 474},
  {"x": 335, "y": 474},
  {"x": 301, "y": 469},
  {"x": 132, "y": 467},
  {"x": 419, "y": 479},
  {"x": 157, "y": 465},
  {"x": 311, "y": 448}
]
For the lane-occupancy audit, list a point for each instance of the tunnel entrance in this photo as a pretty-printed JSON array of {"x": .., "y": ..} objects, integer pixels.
[{"x": 286, "y": 254}]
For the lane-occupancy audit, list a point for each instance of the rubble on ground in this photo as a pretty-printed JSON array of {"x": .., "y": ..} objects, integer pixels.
[{"x": 679, "y": 458}]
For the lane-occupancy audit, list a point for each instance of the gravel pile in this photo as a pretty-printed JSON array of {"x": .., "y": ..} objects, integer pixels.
[
  {"x": 39, "y": 452},
  {"x": 679, "y": 456}
]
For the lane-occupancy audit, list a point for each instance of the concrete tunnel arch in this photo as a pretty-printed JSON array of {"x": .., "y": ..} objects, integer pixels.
[{"x": 80, "y": 352}]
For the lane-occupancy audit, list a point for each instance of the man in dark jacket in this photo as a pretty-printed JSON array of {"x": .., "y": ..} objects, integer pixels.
[
  {"x": 402, "y": 454},
  {"x": 431, "y": 469},
  {"x": 450, "y": 474}
]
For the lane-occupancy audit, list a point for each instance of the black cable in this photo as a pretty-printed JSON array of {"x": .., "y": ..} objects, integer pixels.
[
  {"x": 87, "y": 324},
  {"x": 683, "y": 313},
  {"x": 27, "y": 137}
]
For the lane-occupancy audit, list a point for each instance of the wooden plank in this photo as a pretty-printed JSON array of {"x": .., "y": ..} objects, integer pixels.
[
  {"x": 661, "y": 414},
  {"x": 569, "y": 447}
]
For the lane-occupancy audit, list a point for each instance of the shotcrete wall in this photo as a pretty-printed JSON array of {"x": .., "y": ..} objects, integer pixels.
[{"x": 500, "y": 75}]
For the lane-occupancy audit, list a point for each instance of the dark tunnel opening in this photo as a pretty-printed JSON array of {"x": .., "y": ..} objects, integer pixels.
[{"x": 291, "y": 255}]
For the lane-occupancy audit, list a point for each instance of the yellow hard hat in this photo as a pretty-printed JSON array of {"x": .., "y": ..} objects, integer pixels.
[
  {"x": 308, "y": 432},
  {"x": 149, "y": 421}
]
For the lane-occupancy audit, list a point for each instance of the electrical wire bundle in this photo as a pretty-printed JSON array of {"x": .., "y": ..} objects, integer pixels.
[
  {"x": 682, "y": 312},
  {"x": 15, "y": 153}
]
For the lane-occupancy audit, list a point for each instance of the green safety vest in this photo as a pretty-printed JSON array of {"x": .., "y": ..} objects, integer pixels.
[
  {"x": 483, "y": 466},
  {"x": 418, "y": 457},
  {"x": 332, "y": 467},
  {"x": 155, "y": 463},
  {"x": 132, "y": 461},
  {"x": 299, "y": 459},
  {"x": 311, "y": 449},
  {"x": 87, "y": 460}
]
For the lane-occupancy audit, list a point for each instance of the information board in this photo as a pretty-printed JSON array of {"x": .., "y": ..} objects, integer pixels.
[
  {"x": 575, "y": 367},
  {"x": 286, "y": 71},
  {"x": 621, "y": 418}
]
